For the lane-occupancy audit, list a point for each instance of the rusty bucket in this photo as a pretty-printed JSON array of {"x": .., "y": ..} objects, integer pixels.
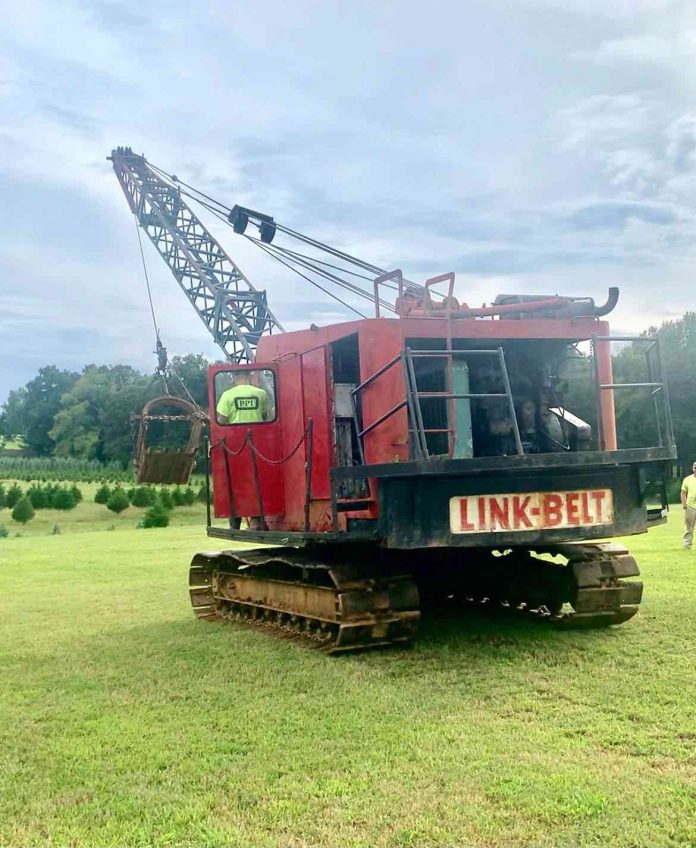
[{"x": 167, "y": 465}]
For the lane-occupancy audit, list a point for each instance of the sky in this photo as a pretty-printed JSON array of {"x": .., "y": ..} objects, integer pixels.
[{"x": 530, "y": 146}]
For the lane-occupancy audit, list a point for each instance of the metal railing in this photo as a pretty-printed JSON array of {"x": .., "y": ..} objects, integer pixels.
[
  {"x": 657, "y": 387},
  {"x": 413, "y": 397}
]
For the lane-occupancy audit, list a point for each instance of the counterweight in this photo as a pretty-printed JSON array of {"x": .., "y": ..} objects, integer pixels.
[{"x": 235, "y": 313}]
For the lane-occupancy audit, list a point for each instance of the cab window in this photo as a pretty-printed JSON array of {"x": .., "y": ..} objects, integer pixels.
[{"x": 245, "y": 397}]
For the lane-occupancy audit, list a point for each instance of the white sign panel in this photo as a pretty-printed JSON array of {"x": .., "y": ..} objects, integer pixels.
[{"x": 518, "y": 511}]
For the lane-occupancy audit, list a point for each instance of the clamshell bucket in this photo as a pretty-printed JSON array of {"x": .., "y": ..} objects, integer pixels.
[{"x": 152, "y": 464}]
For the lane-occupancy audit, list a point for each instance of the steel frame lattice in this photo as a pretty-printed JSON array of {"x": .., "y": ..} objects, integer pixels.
[{"x": 235, "y": 313}]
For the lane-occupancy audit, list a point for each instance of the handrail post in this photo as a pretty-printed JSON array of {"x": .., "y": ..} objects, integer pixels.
[
  {"x": 433, "y": 281},
  {"x": 228, "y": 478},
  {"x": 207, "y": 482},
  {"x": 598, "y": 393},
  {"x": 308, "y": 472},
  {"x": 419, "y": 412},
  {"x": 656, "y": 407},
  {"x": 396, "y": 276},
  {"x": 356, "y": 424},
  {"x": 257, "y": 482},
  {"x": 411, "y": 406},
  {"x": 511, "y": 402},
  {"x": 665, "y": 392}
]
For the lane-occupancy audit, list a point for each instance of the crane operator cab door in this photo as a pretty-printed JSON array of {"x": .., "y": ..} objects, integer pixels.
[{"x": 245, "y": 441}]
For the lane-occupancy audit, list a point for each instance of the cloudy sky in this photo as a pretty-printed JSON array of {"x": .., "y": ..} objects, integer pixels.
[{"x": 528, "y": 145}]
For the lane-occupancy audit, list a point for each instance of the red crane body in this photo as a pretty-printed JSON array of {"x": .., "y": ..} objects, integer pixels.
[
  {"x": 396, "y": 463},
  {"x": 306, "y": 389}
]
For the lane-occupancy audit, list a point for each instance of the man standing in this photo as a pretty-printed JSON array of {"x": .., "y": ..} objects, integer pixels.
[
  {"x": 244, "y": 403},
  {"x": 688, "y": 499}
]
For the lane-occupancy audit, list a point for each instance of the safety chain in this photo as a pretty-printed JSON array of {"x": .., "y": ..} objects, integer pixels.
[{"x": 257, "y": 452}]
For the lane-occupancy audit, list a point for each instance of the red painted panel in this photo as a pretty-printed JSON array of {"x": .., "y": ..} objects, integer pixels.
[
  {"x": 318, "y": 407},
  {"x": 266, "y": 438},
  {"x": 388, "y": 442},
  {"x": 572, "y": 329},
  {"x": 293, "y": 472},
  {"x": 606, "y": 396},
  {"x": 304, "y": 390}
]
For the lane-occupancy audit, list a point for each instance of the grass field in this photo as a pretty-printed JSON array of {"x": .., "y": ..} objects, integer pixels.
[
  {"x": 126, "y": 722},
  {"x": 91, "y": 517}
]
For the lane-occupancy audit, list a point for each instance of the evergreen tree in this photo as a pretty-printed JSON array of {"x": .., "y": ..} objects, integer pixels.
[
  {"x": 102, "y": 494},
  {"x": 38, "y": 496},
  {"x": 3, "y": 497},
  {"x": 51, "y": 490},
  {"x": 63, "y": 499},
  {"x": 165, "y": 498},
  {"x": 178, "y": 497},
  {"x": 118, "y": 501},
  {"x": 189, "y": 496},
  {"x": 77, "y": 494},
  {"x": 23, "y": 510},
  {"x": 156, "y": 516},
  {"x": 142, "y": 496},
  {"x": 14, "y": 494}
]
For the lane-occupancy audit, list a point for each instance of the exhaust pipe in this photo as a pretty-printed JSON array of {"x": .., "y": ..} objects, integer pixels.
[{"x": 612, "y": 300}]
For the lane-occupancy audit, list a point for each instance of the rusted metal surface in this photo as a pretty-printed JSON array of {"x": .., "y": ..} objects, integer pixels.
[
  {"x": 587, "y": 589},
  {"x": 394, "y": 445},
  {"x": 164, "y": 467},
  {"x": 602, "y": 595},
  {"x": 152, "y": 465},
  {"x": 416, "y": 512},
  {"x": 336, "y": 607}
]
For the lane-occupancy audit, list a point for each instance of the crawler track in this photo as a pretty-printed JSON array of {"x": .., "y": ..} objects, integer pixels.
[
  {"x": 334, "y": 607},
  {"x": 335, "y": 602},
  {"x": 601, "y": 594},
  {"x": 588, "y": 590}
]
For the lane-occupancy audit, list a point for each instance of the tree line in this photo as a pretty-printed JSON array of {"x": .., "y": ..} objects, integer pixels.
[{"x": 87, "y": 416}]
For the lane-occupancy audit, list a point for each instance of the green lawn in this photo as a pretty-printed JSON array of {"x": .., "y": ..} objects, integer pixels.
[{"x": 126, "y": 722}]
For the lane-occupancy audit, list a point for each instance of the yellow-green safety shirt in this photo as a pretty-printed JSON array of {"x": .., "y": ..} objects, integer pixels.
[
  {"x": 689, "y": 487},
  {"x": 243, "y": 404}
]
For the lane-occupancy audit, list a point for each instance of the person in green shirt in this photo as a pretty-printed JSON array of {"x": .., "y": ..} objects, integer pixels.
[
  {"x": 688, "y": 499},
  {"x": 244, "y": 403}
]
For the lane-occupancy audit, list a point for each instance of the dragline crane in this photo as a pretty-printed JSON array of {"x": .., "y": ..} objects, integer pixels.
[{"x": 427, "y": 457}]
